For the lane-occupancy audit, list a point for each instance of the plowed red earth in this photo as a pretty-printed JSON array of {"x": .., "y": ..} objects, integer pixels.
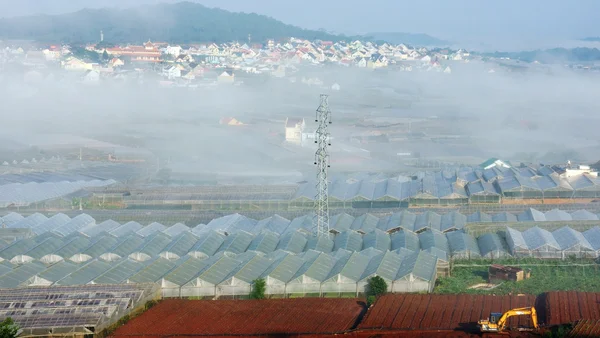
[
  {"x": 248, "y": 317},
  {"x": 441, "y": 312},
  {"x": 405, "y": 315},
  {"x": 569, "y": 306},
  {"x": 585, "y": 329}
]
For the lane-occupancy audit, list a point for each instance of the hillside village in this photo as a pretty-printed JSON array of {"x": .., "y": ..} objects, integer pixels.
[{"x": 220, "y": 63}]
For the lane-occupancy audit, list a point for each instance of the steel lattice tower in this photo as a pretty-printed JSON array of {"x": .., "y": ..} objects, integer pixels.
[{"x": 322, "y": 139}]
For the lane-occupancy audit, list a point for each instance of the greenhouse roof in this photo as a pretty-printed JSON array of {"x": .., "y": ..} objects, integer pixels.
[{"x": 567, "y": 238}]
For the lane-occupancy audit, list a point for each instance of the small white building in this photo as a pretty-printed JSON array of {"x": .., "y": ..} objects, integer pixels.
[
  {"x": 172, "y": 72},
  {"x": 174, "y": 50},
  {"x": 293, "y": 129}
]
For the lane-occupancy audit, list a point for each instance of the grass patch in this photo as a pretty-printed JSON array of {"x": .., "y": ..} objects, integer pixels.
[{"x": 546, "y": 275}]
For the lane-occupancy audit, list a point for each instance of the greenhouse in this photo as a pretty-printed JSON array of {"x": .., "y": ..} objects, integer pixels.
[
  {"x": 492, "y": 246},
  {"x": 560, "y": 244},
  {"x": 463, "y": 246},
  {"x": 592, "y": 236},
  {"x": 206, "y": 262},
  {"x": 572, "y": 243}
]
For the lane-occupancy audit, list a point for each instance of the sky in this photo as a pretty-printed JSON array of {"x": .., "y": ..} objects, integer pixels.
[{"x": 514, "y": 24}]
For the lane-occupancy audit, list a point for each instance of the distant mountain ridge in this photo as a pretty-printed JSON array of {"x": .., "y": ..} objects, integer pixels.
[
  {"x": 182, "y": 22},
  {"x": 420, "y": 40},
  {"x": 592, "y": 39}
]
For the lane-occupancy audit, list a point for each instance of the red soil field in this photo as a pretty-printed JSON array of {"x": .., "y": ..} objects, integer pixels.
[
  {"x": 175, "y": 317},
  {"x": 585, "y": 329},
  {"x": 408, "y": 315},
  {"x": 564, "y": 307},
  {"x": 441, "y": 312}
]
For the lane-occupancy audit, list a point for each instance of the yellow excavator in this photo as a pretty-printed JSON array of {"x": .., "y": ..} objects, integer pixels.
[{"x": 497, "y": 321}]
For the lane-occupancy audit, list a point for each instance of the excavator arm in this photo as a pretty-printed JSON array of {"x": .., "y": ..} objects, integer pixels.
[
  {"x": 487, "y": 326},
  {"x": 525, "y": 311}
]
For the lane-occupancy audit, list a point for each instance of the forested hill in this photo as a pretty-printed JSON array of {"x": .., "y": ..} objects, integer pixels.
[{"x": 182, "y": 22}]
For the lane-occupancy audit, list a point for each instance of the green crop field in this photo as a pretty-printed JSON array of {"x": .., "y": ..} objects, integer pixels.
[{"x": 546, "y": 275}]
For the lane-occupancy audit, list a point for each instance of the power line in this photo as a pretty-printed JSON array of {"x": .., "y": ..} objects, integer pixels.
[{"x": 322, "y": 138}]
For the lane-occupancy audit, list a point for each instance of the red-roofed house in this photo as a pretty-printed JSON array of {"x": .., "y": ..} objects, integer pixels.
[{"x": 146, "y": 53}]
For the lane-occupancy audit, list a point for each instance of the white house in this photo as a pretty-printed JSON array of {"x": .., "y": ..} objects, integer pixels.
[
  {"x": 226, "y": 77},
  {"x": 172, "y": 72},
  {"x": 293, "y": 129},
  {"x": 175, "y": 51}
]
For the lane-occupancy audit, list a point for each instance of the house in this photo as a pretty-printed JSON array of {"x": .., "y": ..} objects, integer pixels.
[
  {"x": 91, "y": 76},
  {"x": 293, "y": 129},
  {"x": 226, "y": 77},
  {"x": 230, "y": 121},
  {"x": 53, "y": 53},
  {"x": 175, "y": 51},
  {"x": 188, "y": 76},
  {"x": 147, "y": 53},
  {"x": 361, "y": 62},
  {"x": 76, "y": 64},
  {"x": 172, "y": 72},
  {"x": 116, "y": 62},
  {"x": 493, "y": 162}
]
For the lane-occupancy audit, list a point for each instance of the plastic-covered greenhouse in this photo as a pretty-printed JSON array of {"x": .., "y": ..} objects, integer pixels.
[{"x": 224, "y": 257}]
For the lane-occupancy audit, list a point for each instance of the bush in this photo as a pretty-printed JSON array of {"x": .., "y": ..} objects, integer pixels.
[
  {"x": 8, "y": 328},
  {"x": 371, "y": 300},
  {"x": 376, "y": 287},
  {"x": 149, "y": 304},
  {"x": 259, "y": 287}
]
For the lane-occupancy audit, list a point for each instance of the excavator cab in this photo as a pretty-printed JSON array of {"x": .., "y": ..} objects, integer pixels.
[
  {"x": 490, "y": 324},
  {"x": 494, "y": 317}
]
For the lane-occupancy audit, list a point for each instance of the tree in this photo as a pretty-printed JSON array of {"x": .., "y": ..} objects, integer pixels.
[
  {"x": 8, "y": 328},
  {"x": 377, "y": 286},
  {"x": 105, "y": 56},
  {"x": 259, "y": 287}
]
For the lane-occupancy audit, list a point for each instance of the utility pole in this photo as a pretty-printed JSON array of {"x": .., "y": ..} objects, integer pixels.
[{"x": 322, "y": 139}]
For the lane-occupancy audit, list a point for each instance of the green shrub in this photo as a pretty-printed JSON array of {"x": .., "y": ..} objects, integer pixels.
[
  {"x": 377, "y": 286},
  {"x": 259, "y": 286},
  {"x": 8, "y": 328}
]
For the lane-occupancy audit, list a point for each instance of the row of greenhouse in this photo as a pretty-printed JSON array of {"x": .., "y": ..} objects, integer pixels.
[
  {"x": 558, "y": 244},
  {"x": 443, "y": 188},
  {"x": 147, "y": 243},
  {"x": 365, "y": 223},
  {"x": 230, "y": 274},
  {"x": 110, "y": 241},
  {"x": 25, "y": 194}
]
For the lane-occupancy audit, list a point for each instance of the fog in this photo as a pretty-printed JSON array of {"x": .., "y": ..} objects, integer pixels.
[{"x": 541, "y": 113}]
